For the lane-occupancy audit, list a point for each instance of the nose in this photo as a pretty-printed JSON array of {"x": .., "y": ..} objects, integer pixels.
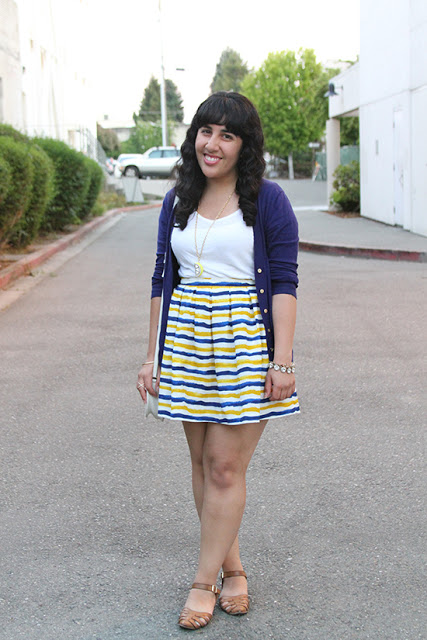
[{"x": 212, "y": 143}]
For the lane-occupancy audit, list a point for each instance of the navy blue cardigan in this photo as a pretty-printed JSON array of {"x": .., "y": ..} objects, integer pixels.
[{"x": 275, "y": 255}]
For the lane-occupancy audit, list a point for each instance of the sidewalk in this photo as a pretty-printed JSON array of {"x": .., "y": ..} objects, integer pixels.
[
  {"x": 319, "y": 231},
  {"x": 358, "y": 237}
]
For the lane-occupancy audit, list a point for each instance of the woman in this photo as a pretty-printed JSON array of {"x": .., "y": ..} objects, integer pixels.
[{"x": 226, "y": 266}]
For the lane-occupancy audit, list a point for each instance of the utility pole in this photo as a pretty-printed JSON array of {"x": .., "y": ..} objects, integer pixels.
[{"x": 162, "y": 84}]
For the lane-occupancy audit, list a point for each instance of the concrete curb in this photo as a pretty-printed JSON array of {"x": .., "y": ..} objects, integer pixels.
[
  {"x": 26, "y": 265},
  {"x": 364, "y": 252}
]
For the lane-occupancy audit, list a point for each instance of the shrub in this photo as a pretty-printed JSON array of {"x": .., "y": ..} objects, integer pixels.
[
  {"x": 18, "y": 196},
  {"x": 108, "y": 200},
  {"x": 346, "y": 185},
  {"x": 10, "y": 132},
  {"x": 96, "y": 179},
  {"x": 5, "y": 179},
  {"x": 42, "y": 192},
  {"x": 71, "y": 184}
]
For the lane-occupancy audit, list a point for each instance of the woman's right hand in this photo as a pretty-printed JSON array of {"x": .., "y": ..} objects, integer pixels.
[{"x": 145, "y": 382}]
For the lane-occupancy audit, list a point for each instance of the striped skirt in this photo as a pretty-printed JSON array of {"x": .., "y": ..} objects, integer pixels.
[{"x": 215, "y": 357}]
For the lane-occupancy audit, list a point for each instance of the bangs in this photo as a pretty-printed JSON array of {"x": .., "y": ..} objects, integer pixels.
[{"x": 225, "y": 111}]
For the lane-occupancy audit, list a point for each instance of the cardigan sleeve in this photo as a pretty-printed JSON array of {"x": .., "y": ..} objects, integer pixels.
[
  {"x": 162, "y": 241},
  {"x": 282, "y": 243}
]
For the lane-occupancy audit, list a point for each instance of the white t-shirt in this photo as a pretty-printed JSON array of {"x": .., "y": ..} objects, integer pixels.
[{"x": 228, "y": 253}]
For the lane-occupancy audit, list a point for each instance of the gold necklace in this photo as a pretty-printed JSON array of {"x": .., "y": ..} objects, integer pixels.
[{"x": 198, "y": 269}]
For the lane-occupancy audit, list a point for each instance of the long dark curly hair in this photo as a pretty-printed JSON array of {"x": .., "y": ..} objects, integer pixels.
[{"x": 239, "y": 116}]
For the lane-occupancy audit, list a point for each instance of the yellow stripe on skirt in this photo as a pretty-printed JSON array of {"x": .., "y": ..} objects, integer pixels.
[{"x": 215, "y": 357}]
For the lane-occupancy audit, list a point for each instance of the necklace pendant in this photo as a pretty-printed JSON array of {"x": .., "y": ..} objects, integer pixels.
[{"x": 198, "y": 269}]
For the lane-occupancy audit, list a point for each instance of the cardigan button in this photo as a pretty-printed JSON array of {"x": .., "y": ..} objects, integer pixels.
[
  {"x": 261, "y": 290},
  {"x": 269, "y": 330},
  {"x": 265, "y": 310},
  {"x": 259, "y": 270}
]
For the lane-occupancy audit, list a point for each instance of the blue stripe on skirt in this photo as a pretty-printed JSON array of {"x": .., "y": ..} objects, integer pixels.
[{"x": 215, "y": 357}]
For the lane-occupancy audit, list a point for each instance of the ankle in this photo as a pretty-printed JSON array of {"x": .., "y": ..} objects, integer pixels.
[
  {"x": 206, "y": 578},
  {"x": 232, "y": 566}
]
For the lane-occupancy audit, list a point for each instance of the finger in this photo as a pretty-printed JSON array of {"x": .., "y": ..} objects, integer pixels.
[
  {"x": 152, "y": 391},
  {"x": 142, "y": 393},
  {"x": 157, "y": 385},
  {"x": 150, "y": 388}
]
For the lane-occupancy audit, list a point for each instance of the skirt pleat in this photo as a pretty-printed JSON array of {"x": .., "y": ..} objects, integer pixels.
[{"x": 215, "y": 357}]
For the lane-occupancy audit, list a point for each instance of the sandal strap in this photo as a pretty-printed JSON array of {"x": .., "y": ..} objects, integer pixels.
[
  {"x": 206, "y": 587},
  {"x": 233, "y": 574}
]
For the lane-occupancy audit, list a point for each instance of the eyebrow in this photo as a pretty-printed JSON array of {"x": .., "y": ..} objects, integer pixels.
[{"x": 224, "y": 129}]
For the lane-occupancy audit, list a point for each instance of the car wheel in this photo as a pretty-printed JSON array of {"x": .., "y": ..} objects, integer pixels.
[{"x": 131, "y": 172}]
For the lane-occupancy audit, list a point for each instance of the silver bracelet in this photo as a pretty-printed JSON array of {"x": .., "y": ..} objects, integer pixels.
[{"x": 284, "y": 368}]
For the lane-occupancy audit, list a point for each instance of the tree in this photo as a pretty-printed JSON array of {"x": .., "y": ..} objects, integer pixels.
[
  {"x": 149, "y": 109},
  {"x": 288, "y": 93},
  {"x": 229, "y": 72},
  {"x": 349, "y": 130},
  {"x": 108, "y": 140},
  {"x": 143, "y": 136}
]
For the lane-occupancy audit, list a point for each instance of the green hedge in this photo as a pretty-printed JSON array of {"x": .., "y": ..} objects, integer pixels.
[
  {"x": 44, "y": 185},
  {"x": 10, "y": 132},
  {"x": 71, "y": 184},
  {"x": 18, "y": 195},
  {"x": 5, "y": 178},
  {"x": 42, "y": 192},
  {"x": 96, "y": 180},
  {"x": 346, "y": 186}
]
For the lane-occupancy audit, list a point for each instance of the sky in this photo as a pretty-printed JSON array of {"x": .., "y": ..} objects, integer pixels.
[{"x": 126, "y": 48}]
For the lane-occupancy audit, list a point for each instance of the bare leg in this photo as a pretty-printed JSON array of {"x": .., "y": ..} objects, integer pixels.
[
  {"x": 195, "y": 433},
  {"x": 226, "y": 454}
]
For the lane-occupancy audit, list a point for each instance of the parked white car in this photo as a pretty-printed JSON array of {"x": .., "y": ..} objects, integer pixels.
[
  {"x": 118, "y": 163},
  {"x": 157, "y": 162}
]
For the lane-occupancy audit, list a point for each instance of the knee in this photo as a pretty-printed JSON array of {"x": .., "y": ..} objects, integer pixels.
[
  {"x": 223, "y": 474},
  {"x": 197, "y": 461}
]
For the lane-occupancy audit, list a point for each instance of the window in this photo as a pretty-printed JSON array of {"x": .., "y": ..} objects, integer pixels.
[
  {"x": 170, "y": 153},
  {"x": 155, "y": 154}
]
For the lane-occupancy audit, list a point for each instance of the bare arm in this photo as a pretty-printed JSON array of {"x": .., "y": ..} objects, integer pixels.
[
  {"x": 145, "y": 375},
  {"x": 278, "y": 385}
]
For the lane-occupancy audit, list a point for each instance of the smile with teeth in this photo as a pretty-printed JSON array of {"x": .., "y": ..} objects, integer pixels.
[{"x": 211, "y": 159}]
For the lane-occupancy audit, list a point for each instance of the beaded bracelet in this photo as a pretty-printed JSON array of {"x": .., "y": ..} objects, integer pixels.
[
  {"x": 148, "y": 362},
  {"x": 284, "y": 368}
]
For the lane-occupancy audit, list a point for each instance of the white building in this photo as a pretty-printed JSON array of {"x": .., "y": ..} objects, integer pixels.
[
  {"x": 388, "y": 89},
  {"x": 45, "y": 81},
  {"x": 10, "y": 64}
]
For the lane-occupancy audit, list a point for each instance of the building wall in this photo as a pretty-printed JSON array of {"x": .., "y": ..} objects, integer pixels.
[
  {"x": 393, "y": 104},
  {"x": 377, "y": 158},
  {"x": 10, "y": 65},
  {"x": 347, "y": 100},
  {"x": 419, "y": 161},
  {"x": 56, "y": 94}
]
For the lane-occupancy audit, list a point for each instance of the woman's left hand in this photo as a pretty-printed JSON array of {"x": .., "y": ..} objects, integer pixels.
[{"x": 278, "y": 385}]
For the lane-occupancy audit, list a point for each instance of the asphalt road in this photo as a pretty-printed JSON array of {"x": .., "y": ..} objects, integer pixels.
[{"x": 97, "y": 527}]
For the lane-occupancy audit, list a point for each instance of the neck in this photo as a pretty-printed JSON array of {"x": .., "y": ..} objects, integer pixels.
[{"x": 216, "y": 187}]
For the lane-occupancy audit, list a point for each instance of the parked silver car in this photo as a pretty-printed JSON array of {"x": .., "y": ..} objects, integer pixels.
[{"x": 157, "y": 162}]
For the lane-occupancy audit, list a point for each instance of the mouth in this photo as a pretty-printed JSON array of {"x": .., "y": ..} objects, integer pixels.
[{"x": 211, "y": 160}]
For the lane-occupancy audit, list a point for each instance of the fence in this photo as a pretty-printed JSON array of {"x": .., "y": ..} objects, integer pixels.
[{"x": 347, "y": 155}]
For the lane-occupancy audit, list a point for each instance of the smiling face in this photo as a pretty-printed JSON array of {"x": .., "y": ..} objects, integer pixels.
[{"x": 217, "y": 152}]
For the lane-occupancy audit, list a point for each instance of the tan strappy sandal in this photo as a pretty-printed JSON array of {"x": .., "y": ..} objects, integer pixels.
[
  {"x": 234, "y": 605},
  {"x": 190, "y": 619}
]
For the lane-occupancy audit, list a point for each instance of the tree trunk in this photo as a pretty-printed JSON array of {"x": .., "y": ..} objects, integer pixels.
[{"x": 291, "y": 167}]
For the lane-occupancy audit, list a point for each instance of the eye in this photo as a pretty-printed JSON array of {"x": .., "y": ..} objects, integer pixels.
[
  {"x": 205, "y": 130},
  {"x": 228, "y": 136}
]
